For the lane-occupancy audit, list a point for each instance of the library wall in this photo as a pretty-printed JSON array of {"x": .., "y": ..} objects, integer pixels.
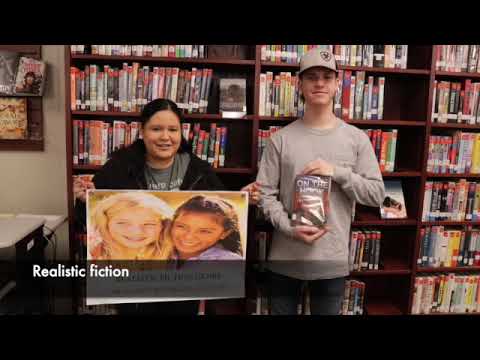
[{"x": 35, "y": 181}]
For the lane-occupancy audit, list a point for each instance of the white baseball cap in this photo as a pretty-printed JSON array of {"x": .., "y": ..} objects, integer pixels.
[{"x": 318, "y": 58}]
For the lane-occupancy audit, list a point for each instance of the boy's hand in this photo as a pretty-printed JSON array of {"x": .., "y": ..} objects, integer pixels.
[
  {"x": 318, "y": 167},
  {"x": 308, "y": 234}
]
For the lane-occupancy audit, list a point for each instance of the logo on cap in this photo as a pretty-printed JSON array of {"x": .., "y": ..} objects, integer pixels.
[{"x": 325, "y": 55}]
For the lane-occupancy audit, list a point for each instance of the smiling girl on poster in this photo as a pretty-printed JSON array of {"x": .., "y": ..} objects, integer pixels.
[
  {"x": 130, "y": 226},
  {"x": 206, "y": 228}
]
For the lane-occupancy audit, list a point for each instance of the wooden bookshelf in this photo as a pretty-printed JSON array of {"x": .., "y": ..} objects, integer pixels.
[
  {"x": 407, "y": 106},
  {"x": 439, "y": 129}
]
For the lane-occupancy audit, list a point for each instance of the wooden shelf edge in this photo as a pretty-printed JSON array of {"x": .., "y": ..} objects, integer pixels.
[
  {"x": 433, "y": 175},
  {"x": 447, "y": 269},
  {"x": 217, "y": 170},
  {"x": 458, "y": 74},
  {"x": 277, "y": 118},
  {"x": 447, "y": 314},
  {"x": 104, "y": 113},
  {"x": 455, "y": 126},
  {"x": 280, "y": 64},
  {"x": 22, "y": 145},
  {"x": 86, "y": 167},
  {"x": 382, "y": 307},
  {"x": 206, "y": 61},
  {"x": 353, "y": 68},
  {"x": 22, "y": 96},
  {"x": 387, "y": 122},
  {"x": 381, "y": 272},
  {"x": 407, "y": 222},
  {"x": 137, "y": 114},
  {"x": 385, "y": 70},
  {"x": 450, "y": 223},
  {"x": 233, "y": 170},
  {"x": 405, "y": 123},
  {"x": 402, "y": 174}
]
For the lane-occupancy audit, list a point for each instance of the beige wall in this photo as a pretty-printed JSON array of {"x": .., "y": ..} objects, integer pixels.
[{"x": 33, "y": 181}]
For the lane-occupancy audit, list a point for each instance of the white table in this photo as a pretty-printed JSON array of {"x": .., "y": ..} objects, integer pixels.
[
  {"x": 15, "y": 229},
  {"x": 26, "y": 235},
  {"x": 52, "y": 222}
]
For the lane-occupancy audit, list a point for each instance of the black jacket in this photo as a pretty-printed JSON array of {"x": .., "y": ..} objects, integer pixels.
[{"x": 126, "y": 170}]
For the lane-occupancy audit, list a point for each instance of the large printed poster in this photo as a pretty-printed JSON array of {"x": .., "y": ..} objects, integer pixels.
[{"x": 149, "y": 246}]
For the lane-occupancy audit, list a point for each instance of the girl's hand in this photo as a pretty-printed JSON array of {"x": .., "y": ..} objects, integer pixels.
[
  {"x": 80, "y": 189},
  {"x": 253, "y": 192}
]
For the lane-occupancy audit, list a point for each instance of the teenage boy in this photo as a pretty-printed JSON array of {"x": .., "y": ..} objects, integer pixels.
[{"x": 317, "y": 144}]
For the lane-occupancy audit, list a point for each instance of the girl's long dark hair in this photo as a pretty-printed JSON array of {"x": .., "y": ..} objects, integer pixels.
[{"x": 164, "y": 104}]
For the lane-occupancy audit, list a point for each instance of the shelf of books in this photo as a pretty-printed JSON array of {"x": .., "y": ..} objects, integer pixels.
[
  {"x": 110, "y": 84},
  {"x": 446, "y": 262},
  {"x": 417, "y": 104}
]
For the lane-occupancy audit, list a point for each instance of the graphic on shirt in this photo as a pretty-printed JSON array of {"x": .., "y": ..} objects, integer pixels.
[
  {"x": 170, "y": 178},
  {"x": 165, "y": 185}
]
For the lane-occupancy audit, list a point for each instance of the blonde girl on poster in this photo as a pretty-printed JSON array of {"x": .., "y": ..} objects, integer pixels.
[{"x": 130, "y": 226}]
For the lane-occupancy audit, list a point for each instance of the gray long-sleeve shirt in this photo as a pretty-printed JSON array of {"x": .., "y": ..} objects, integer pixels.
[{"x": 357, "y": 178}]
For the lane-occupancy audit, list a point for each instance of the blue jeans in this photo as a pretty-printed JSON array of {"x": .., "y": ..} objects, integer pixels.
[{"x": 326, "y": 296}]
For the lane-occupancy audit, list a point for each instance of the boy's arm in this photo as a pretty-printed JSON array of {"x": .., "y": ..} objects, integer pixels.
[
  {"x": 269, "y": 178},
  {"x": 364, "y": 184}
]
